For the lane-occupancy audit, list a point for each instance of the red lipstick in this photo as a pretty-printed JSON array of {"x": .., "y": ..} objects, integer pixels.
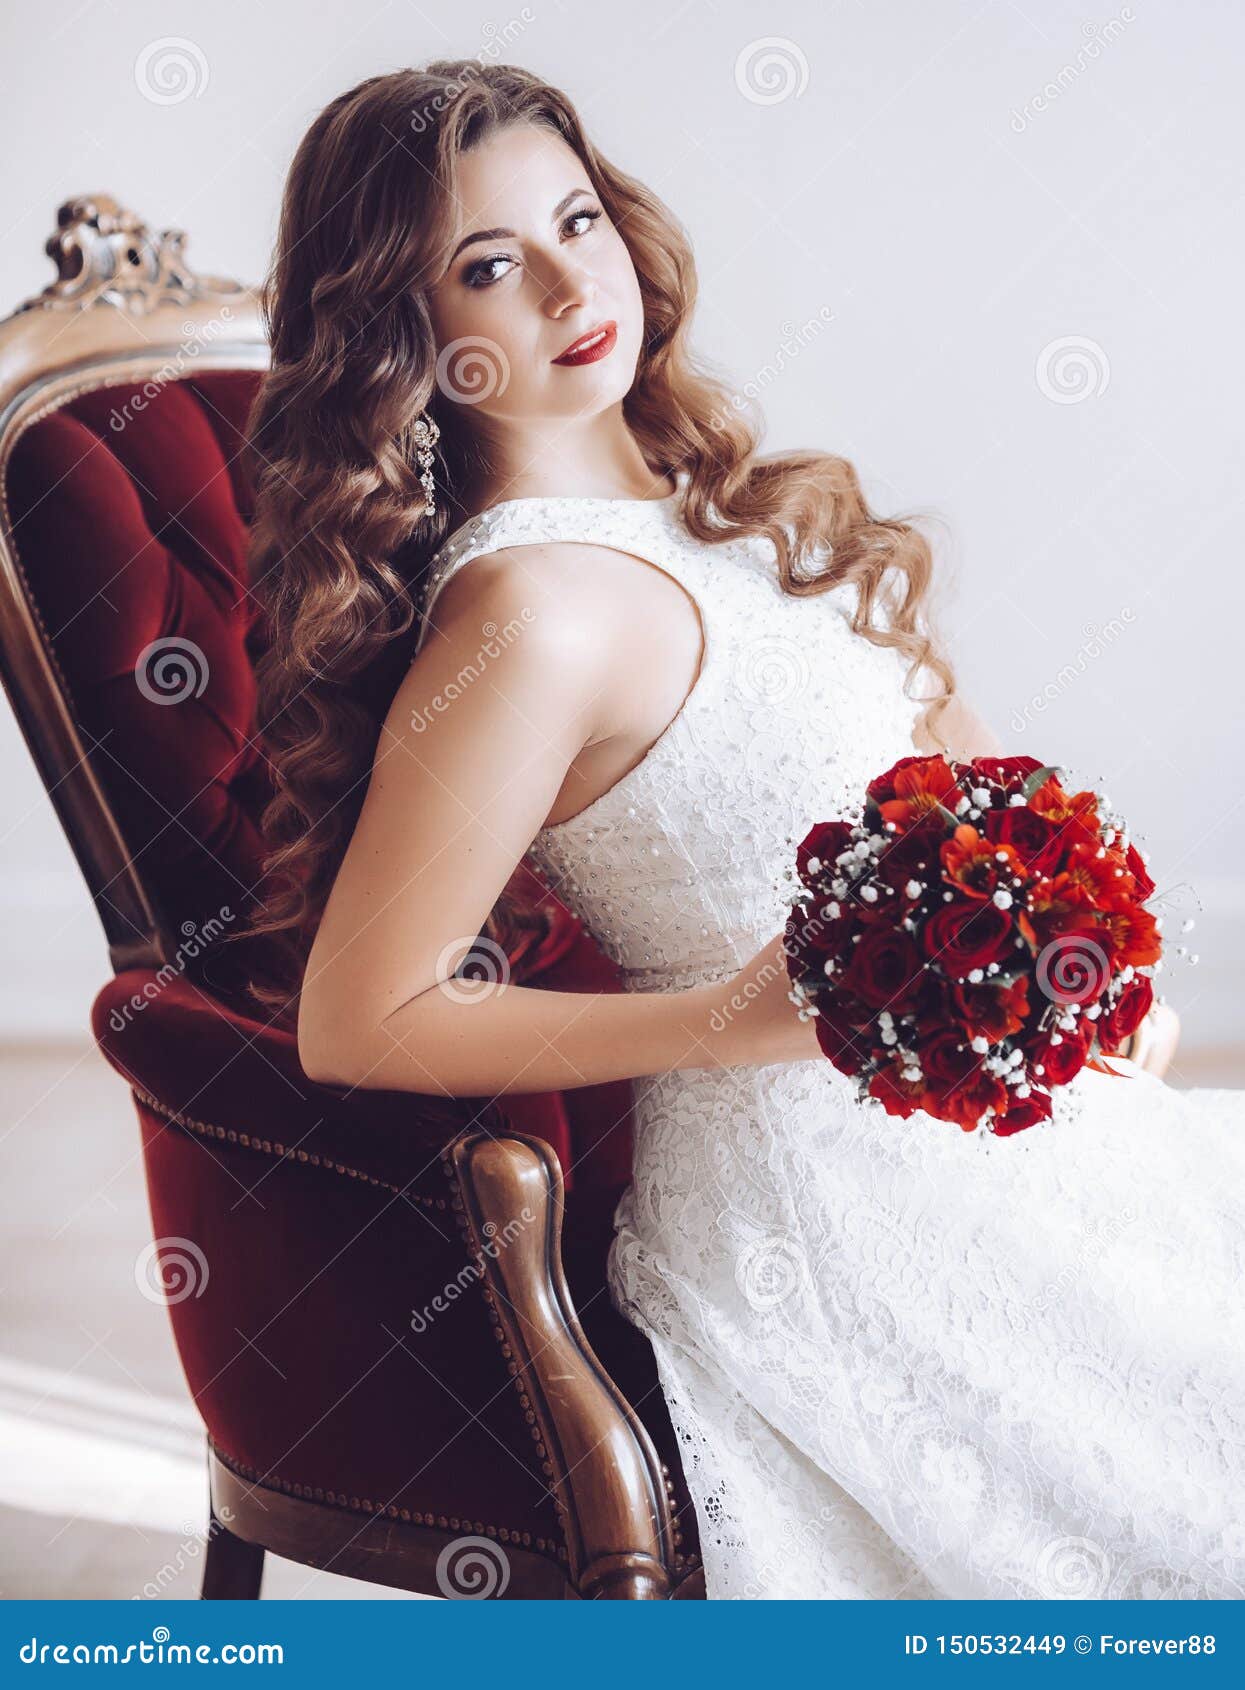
[{"x": 597, "y": 343}]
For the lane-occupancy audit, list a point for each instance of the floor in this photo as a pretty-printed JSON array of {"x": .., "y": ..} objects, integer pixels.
[
  {"x": 102, "y": 1483},
  {"x": 103, "y": 1489}
]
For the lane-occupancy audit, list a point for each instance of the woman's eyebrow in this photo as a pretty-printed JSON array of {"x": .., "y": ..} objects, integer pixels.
[{"x": 509, "y": 234}]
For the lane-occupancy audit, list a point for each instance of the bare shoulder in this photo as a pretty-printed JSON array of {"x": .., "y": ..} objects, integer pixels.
[
  {"x": 555, "y": 590},
  {"x": 595, "y": 615},
  {"x": 545, "y": 618}
]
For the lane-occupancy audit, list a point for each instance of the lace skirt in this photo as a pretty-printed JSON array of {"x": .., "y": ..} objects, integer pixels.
[{"x": 904, "y": 1361}]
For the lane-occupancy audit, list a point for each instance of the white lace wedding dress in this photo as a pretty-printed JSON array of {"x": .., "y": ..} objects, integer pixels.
[{"x": 901, "y": 1360}]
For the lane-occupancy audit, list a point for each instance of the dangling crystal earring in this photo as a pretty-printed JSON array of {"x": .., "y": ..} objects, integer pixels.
[{"x": 426, "y": 436}]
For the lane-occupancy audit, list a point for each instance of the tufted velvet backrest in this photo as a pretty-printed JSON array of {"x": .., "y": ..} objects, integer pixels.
[{"x": 128, "y": 510}]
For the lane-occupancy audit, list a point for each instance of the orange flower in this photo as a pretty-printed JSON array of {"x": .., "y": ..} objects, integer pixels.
[
  {"x": 971, "y": 863},
  {"x": 993, "y": 1011},
  {"x": 1134, "y": 937},
  {"x": 1075, "y": 817},
  {"x": 919, "y": 790},
  {"x": 1097, "y": 876}
]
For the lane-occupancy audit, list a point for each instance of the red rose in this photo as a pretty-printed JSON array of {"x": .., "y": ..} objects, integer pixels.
[
  {"x": 1006, "y": 771},
  {"x": 963, "y": 937},
  {"x": 1034, "y": 840},
  {"x": 839, "y": 1035},
  {"x": 967, "y": 1103},
  {"x": 897, "y": 1095},
  {"x": 945, "y": 1055},
  {"x": 1130, "y": 1011},
  {"x": 813, "y": 936},
  {"x": 911, "y": 856},
  {"x": 958, "y": 1085},
  {"x": 1023, "y": 1112},
  {"x": 824, "y": 842},
  {"x": 885, "y": 969},
  {"x": 1063, "y": 1061}
]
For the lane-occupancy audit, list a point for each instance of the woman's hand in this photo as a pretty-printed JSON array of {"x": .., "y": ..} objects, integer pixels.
[{"x": 751, "y": 1017}]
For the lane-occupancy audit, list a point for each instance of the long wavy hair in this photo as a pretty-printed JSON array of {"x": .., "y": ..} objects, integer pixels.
[{"x": 340, "y": 539}]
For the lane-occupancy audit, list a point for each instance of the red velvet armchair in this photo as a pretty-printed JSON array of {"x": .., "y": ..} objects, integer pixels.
[{"x": 391, "y": 1309}]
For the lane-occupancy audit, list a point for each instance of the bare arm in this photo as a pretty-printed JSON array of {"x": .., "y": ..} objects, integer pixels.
[{"x": 472, "y": 755}]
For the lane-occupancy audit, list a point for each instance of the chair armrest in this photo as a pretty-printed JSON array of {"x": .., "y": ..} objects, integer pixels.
[
  {"x": 227, "y": 1075},
  {"x": 604, "y": 1474}
]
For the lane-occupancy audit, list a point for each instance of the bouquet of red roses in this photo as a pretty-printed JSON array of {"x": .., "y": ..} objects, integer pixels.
[{"x": 976, "y": 939}]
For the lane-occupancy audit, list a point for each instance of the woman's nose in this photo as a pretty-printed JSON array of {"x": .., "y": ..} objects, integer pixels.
[{"x": 567, "y": 285}]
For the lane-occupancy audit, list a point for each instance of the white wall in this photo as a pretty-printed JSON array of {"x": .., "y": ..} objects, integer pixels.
[{"x": 890, "y": 257}]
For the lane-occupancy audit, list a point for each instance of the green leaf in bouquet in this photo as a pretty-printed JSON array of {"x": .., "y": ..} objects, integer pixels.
[{"x": 1038, "y": 779}]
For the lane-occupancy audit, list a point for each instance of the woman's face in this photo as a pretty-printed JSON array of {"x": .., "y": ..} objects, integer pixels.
[{"x": 537, "y": 265}]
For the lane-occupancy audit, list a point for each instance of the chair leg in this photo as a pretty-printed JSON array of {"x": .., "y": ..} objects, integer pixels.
[{"x": 233, "y": 1569}]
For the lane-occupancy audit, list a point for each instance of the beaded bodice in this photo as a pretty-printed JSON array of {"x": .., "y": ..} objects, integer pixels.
[{"x": 680, "y": 869}]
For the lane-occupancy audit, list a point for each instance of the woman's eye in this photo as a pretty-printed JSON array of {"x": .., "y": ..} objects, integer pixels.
[
  {"x": 577, "y": 216},
  {"x": 478, "y": 275}
]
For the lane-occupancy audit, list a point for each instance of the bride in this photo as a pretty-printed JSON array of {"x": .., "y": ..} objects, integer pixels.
[{"x": 499, "y": 506}]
